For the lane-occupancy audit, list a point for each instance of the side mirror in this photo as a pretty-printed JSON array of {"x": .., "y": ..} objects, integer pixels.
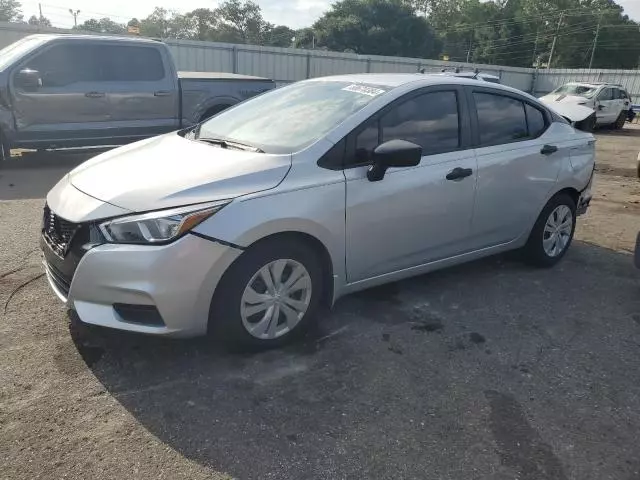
[
  {"x": 600, "y": 107},
  {"x": 28, "y": 80},
  {"x": 394, "y": 153}
]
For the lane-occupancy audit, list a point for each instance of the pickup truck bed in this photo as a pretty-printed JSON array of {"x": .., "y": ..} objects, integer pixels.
[{"x": 206, "y": 93}]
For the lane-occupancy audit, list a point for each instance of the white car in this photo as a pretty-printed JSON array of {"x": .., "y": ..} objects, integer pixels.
[
  {"x": 610, "y": 102},
  {"x": 246, "y": 224}
]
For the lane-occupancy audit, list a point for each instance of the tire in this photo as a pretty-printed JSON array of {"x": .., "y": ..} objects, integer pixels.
[
  {"x": 5, "y": 149},
  {"x": 535, "y": 252},
  {"x": 619, "y": 123},
  {"x": 231, "y": 316}
]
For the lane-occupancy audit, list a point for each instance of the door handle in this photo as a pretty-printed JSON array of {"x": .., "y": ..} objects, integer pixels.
[
  {"x": 94, "y": 94},
  {"x": 459, "y": 173},
  {"x": 162, "y": 93},
  {"x": 548, "y": 149}
]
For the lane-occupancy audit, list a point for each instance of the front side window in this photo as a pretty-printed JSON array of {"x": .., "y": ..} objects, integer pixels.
[
  {"x": 429, "y": 120},
  {"x": 65, "y": 65},
  {"x": 290, "y": 118},
  {"x": 501, "y": 119},
  {"x": 606, "y": 94}
]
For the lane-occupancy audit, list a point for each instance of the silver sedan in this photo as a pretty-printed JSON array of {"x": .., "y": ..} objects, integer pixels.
[{"x": 244, "y": 226}]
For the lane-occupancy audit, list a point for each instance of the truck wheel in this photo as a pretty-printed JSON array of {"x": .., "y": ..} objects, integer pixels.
[
  {"x": 213, "y": 111},
  {"x": 5, "y": 149},
  {"x": 622, "y": 118}
]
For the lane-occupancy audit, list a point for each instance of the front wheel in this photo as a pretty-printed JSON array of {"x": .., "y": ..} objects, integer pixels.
[
  {"x": 620, "y": 121},
  {"x": 268, "y": 297},
  {"x": 552, "y": 233}
]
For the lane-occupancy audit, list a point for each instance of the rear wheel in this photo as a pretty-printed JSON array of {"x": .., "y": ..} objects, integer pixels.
[
  {"x": 552, "y": 233},
  {"x": 622, "y": 118},
  {"x": 268, "y": 297}
]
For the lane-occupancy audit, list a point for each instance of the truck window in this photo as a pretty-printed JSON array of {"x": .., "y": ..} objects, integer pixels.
[
  {"x": 63, "y": 65},
  {"x": 128, "y": 63}
]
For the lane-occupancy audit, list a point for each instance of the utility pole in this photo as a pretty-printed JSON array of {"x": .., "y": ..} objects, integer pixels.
[
  {"x": 40, "y": 10},
  {"x": 469, "y": 51},
  {"x": 595, "y": 41},
  {"x": 75, "y": 14},
  {"x": 535, "y": 47},
  {"x": 555, "y": 39}
]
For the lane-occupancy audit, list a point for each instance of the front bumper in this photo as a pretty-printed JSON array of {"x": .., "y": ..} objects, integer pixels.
[{"x": 177, "y": 279}]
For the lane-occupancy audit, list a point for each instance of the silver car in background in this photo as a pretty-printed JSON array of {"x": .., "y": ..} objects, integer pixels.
[{"x": 245, "y": 225}]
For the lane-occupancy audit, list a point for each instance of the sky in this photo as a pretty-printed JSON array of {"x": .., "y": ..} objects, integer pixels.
[{"x": 293, "y": 13}]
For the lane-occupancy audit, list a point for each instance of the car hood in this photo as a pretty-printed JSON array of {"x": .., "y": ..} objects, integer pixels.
[
  {"x": 568, "y": 106},
  {"x": 170, "y": 171}
]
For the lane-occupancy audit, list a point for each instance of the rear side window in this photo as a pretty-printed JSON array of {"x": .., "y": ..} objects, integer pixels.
[
  {"x": 429, "y": 120},
  {"x": 535, "y": 121},
  {"x": 132, "y": 63},
  {"x": 501, "y": 119}
]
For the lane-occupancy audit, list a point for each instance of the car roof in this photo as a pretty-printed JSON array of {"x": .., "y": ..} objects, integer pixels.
[
  {"x": 394, "y": 80},
  {"x": 121, "y": 38}
]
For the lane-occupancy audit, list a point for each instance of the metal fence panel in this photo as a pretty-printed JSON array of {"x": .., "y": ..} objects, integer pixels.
[{"x": 286, "y": 65}]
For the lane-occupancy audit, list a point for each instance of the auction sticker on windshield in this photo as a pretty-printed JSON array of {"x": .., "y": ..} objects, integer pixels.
[{"x": 372, "y": 92}]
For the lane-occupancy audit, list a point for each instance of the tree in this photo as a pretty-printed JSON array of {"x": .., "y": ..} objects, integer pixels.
[
  {"x": 204, "y": 23},
  {"x": 242, "y": 20},
  {"x": 380, "y": 27},
  {"x": 103, "y": 25},
  {"x": 280, "y": 36},
  {"x": 10, "y": 11},
  {"x": 40, "y": 22}
]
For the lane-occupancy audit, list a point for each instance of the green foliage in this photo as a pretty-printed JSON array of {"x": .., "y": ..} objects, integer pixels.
[
  {"x": 10, "y": 11},
  {"x": 381, "y": 27},
  {"x": 39, "y": 22},
  {"x": 104, "y": 25}
]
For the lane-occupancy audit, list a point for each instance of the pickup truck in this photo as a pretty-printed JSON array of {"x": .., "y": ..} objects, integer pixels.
[{"x": 62, "y": 91}]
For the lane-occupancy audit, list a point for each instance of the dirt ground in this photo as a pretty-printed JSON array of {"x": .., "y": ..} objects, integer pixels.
[{"x": 491, "y": 370}]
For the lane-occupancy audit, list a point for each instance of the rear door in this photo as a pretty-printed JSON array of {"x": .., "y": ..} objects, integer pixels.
[
  {"x": 142, "y": 89},
  {"x": 70, "y": 105},
  {"x": 519, "y": 158}
]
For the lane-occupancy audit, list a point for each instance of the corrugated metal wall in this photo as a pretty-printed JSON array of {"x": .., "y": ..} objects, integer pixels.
[{"x": 286, "y": 65}]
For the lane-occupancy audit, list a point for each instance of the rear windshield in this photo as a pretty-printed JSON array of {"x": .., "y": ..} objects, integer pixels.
[
  {"x": 292, "y": 117},
  {"x": 586, "y": 91}
]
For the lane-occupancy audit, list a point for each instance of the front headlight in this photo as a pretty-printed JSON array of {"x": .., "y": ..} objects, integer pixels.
[{"x": 158, "y": 227}]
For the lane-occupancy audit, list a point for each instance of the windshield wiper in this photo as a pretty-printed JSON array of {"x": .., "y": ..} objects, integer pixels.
[{"x": 224, "y": 143}]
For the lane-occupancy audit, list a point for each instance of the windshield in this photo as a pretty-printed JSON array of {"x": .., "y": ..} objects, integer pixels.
[
  {"x": 586, "y": 91},
  {"x": 16, "y": 50},
  {"x": 290, "y": 118}
]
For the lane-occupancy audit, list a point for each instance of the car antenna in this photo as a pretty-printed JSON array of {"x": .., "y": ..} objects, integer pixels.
[{"x": 477, "y": 72}]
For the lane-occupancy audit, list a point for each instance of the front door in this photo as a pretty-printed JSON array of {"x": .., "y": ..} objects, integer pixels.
[
  {"x": 607, "y": 109},
  {"x": 414, "y": 215},
  {"x": 70, "y": 103},
  {"x": 519, "y": 156}
]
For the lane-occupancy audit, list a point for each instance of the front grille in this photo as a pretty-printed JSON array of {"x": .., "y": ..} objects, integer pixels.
[
  {"x": 58, "y": 231},
  {"x": 62, "y": 282}
]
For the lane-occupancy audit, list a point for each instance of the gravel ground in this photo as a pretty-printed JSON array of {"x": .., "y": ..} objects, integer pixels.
[{"x": 490, "y": 370}]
